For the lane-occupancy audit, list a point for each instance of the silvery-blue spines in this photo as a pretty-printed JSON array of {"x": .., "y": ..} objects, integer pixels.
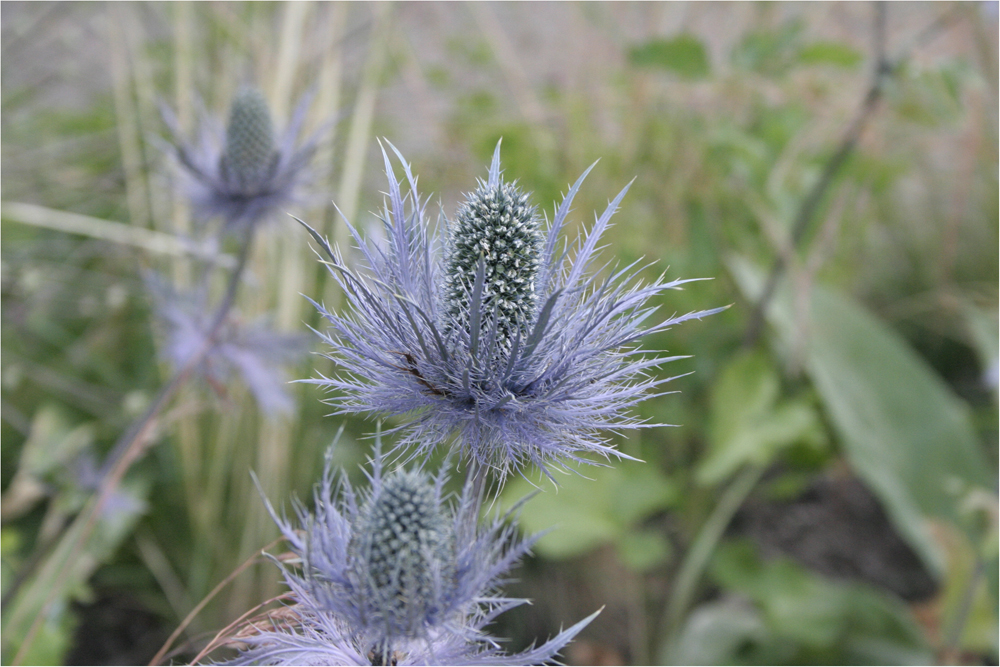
[
  {"x": 243, "y": 173},
  {"x": 252, "y": 350},
  {"x": 395, "y": 575},
  {"x": 542, "y": 389}
]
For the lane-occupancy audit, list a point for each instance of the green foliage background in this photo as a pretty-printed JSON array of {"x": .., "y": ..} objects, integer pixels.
[{"x": 878, "y": 360}]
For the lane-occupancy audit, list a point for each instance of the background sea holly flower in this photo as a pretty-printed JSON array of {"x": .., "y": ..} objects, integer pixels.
[
  {"x": 253, "y": 351},
  {"x": 395, "y": 574},
  {"x": 528, "y": 352},
  {"x": 243, "y": 173}
]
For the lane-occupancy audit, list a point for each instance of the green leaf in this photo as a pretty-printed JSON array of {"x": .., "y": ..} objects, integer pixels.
[
  {"x": 747, "y": 424},
  {"x": 818, "y": 619},
  {"x": 715, "y": 633},
  {"x": 931, "y": 96},
  {"x": 837, "y": 54},
  {"x": 576, "y": 514},
  {"x": 981, "y": 325},
  {"x": 684, "y": 55},
  {"x": 583, "y": 514},
  {"x": 769, "y": 52},
  {"x": 903, "y": 430},
  {"x": 965, "y": 594},
  {"x": 72, "y": 567},
  {"x": 643, "y": 550},
  {"x": 641, "y": 491},
  {"x": 51, "y": 643},
  {"x": 54, "y": 440}
]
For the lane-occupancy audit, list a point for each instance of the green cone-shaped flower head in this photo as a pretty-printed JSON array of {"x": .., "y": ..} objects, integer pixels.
[
  {"x": 498, "y": 224},
  {"x": 404, "y": 545},
  {"x": 250, "y": 150}
]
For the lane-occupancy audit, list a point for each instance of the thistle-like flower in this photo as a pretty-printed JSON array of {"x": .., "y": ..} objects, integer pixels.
[
  {"x": 492, "y": 331},
  {"x": 243, "y": 174},
  {"x": 396, "y": 575}
]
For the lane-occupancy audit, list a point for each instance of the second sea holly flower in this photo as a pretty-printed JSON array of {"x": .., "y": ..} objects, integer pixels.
[{"x": 396, "y": 574}]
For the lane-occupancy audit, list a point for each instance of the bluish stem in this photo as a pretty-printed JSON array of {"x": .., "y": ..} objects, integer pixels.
[{"x": 129, "y": 447}]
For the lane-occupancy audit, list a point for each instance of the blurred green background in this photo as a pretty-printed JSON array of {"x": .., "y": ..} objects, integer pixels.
[{"x": 829, "y": 494}]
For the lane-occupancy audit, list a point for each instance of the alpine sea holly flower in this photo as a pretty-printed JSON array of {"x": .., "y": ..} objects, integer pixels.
[
  {"x": 493, "y": 330},
  {"x": 243, "y": 174},
  {"x": 393, "y": 575}
]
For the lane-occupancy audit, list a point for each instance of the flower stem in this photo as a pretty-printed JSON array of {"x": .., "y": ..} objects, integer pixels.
[
  {"x": 131, "y": 444},
  {"x": 952, "y": 643}
]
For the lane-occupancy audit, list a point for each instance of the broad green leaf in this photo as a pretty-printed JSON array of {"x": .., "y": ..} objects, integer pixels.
[
  {"x": 641, "y": 491},
  {"x": 576, "y": 514},
  {"x": 583, "y": 513},
  {"x": 831, "y": 53},
  {"x": 684, "y": 55},
  {"x": 903, "y": 430},
  {"x": 748, "y": 424}
]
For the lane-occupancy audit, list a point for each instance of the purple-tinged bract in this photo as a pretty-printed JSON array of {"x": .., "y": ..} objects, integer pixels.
[
  {"x": 395, "y": 575},
  {"x": 243, "y": 173},
  {"x": 253, "y": 351},
  {"x": 523, "y": 346}
]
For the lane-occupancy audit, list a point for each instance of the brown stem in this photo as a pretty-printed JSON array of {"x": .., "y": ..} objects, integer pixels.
[
  {"x": 884, "y": 69},
  {"x": 812, "y": 201},
  {"x": 208, "y": 598}
]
